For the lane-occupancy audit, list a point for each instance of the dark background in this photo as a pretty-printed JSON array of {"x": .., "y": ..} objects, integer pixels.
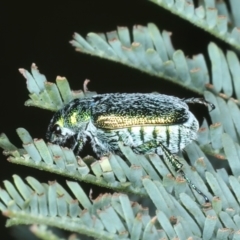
[{"x": 40, "y": 33}]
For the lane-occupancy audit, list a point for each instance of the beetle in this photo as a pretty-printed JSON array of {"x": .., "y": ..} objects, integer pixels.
[{"x": 148, "y": 123}]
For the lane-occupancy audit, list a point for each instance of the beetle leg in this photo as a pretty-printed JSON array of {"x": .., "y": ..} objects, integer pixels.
[
  {"x": 200, "y": 101},
  {"x": 178, "y": 168},
  {"x": 79, "y": 146},
  {"x": 173, "y": 161},
  {"x": 80, "y": 139},
  {"x": 145, "y": 147}
]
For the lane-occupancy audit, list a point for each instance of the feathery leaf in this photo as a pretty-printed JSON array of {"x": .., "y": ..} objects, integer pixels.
[{"x": 213, "y": 16}]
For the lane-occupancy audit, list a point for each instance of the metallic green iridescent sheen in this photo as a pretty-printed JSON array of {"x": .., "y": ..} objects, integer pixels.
[{"x": 148, "y": 123}]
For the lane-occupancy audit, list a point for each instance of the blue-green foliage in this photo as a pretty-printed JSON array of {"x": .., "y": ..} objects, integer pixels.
[{"x": 174, "y": 210}]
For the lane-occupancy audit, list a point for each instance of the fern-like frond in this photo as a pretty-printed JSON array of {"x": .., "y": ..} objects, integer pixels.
[
  {"x": 225, "y": 119},
  {"x": 115, "y": 173},
  {"x": 110, "y": 172},
  {"x": 213, "y": 16},
  {"x": 149, "y": 51},
  {"x": 108, "y": 216},
  {"x": 141, "y": 175},
  {"x": 226, "y": 79},
  {"x": 227, "y": 113},
  {"x": 116, "y": 217},
  {"x": 43, "y": 233},
  {"x": 176, "y": 210},
  {"x": 225, "y": 72},
  {"x": 49, "y": 95},
  {"x": 52, "y": 205},
  {"x": 152, "y": 52},
  {"x": 146, "y": 176}
]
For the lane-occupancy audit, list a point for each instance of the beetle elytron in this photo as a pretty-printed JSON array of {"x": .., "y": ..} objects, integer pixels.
[{"x": 148, "y": 123}]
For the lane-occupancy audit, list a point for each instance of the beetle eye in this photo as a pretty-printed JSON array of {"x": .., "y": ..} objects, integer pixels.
[{"x": 56, "y": 129}]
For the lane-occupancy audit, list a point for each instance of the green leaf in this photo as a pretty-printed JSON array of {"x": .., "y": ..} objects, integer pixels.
[
  {"x": 174, "y": 208},
  {"x": 150, "y": 51},
  {"x": 213, "y": 17},
  {"x": 48, "y": 95}
]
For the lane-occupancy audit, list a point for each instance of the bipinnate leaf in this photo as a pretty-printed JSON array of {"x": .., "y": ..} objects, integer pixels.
[
  {"x": 212, "y": 16},
  {"x": 150, "y": 51}
]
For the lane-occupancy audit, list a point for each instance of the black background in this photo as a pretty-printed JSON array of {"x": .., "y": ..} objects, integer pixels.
[{"x": 40, "y": 33}]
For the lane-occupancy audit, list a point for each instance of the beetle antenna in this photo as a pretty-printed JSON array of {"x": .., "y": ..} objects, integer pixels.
[{"x": 200, "y": 101}]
